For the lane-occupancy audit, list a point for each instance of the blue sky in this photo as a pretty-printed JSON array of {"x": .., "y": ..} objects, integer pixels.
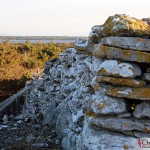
[{"x": 63, "y": 17}]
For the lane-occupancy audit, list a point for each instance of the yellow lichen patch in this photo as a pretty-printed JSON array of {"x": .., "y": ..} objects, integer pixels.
[
  {"x": 142, "y": 93},
  {"x": 146, "y": 130},
  {"x": 125, "y": 125},
  {"x": 96, "y": 87},
  {"x": 138, "y": 39},
  {"x": 121, "y": 81},
  {"x": 125, "y": 146},
  {"x": 100, "y": 105},
  {"x": 90, "y": 114},
  {"x": 123, "y": 25}
]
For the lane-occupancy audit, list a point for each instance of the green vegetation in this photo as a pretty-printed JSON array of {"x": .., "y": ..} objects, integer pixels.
[{"x": 19, "y": 61}]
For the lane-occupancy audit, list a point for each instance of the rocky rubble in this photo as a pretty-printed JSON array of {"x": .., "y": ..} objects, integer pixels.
[{"x": 97, "y": 95}]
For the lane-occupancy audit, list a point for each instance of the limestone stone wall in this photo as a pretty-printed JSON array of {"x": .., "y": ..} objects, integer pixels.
[{"x": 98, "y": 94}]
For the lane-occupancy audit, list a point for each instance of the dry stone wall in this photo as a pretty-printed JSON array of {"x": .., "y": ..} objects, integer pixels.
[{"x": 98, "y": 94}]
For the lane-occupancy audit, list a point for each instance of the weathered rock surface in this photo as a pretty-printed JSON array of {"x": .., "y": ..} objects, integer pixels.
[
  {"x": 146, "y": 76},
  {"x": 121, "y": 124},
  {"x": 92, "y": 139},
  {"x": 138, "y": 44},
  {"x": 142, "y": 110},
  {"x": 121, "y": 81},
  {"x": 106, "y": 105},
  {"x": 116, "y": 68},
  {"x": 142, "y": 93},
  {"x": 122, "y": 25},
  {"x": 121, "y": 54},
  {"x": 81, "y": 44}
]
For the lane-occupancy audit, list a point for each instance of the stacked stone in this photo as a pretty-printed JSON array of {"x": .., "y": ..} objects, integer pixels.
[
  {"x": 97, "y": 95},
  {"x": 122, "y": 91}
]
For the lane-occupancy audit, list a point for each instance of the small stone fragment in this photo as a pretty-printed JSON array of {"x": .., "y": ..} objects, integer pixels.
[
  {"x": 81, "y": 44},
  {"x": 142, "y": 110},
  {"x": 146, "y": 77},
  {"x": 5, "y": 118}
]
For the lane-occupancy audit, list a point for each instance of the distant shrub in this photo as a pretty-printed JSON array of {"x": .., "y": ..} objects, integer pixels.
[
  {"x": 27, "y": 47},
  {"x": 29, "y": 63},
  {"x": 7, "y": 61}
]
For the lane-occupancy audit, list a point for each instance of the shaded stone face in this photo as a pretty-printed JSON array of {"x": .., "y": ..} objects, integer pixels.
[
  {"x": 122, "y": 54},
  {"x": 146, "y": 77},
  {"x": 116, "y": 68},
  {"x": 142, "y": 93},
  {"x": 138, "y": 44},
  {"x": 142, "y": 110},
  {"x": 121, "y": 81}
]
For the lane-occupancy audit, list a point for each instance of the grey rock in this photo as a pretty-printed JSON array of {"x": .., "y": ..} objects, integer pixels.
[
  {"x": 5, "y": 118},
  {"x": 30, "y": 138},
  {"x": 116, "y": 68},
  {"x": 146, "y": 77},
  {"x": 106, "y": 105},
  {"x": 91, "y": 139},
  {"x": 81, "y": 44},
  {"x": 121, "y": 124},
  {"x": 142, "y": 110},
  {"x": 134, "y": 43}
]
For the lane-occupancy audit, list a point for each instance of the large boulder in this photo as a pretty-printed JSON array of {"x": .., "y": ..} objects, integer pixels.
[{"x": 120, "y": 25}]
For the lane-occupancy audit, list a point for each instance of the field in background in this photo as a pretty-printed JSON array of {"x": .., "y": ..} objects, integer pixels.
[{"x": 19, "y": 61}]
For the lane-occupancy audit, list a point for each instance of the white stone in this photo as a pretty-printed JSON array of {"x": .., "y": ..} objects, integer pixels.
[{"x": 116, "y": 68}]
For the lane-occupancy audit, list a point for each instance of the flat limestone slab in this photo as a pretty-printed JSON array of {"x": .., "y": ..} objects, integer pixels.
[
  {"x": 142, "y": 93},
  {"x": 133, "y": 43},
  {"x": 121, "y": 81},
  {"x": 122, "y": 54},
  {"x": 121, "y": 124},
  {"x": 119, "y": 69}
]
